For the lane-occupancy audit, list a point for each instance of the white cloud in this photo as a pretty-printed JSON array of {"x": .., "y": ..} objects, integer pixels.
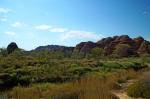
[
  {"x": 18, "y": 24},
  {"x": 4, "y": 10},
  {"x": 67, "y": 34},
  {"x": 10, "y": 33},
  {"x": 79, "y": 35},
  {"x": 58, "y": 30},
  {"x": 3, "y": 19},
  {"x": 50, "y": 28},
  {"x": 43, "y": 27}
]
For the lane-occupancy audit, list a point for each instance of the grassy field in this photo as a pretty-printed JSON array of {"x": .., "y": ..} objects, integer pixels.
[
  {"x": 34, "y": 76},
  {"x": 89, "y": 87}
]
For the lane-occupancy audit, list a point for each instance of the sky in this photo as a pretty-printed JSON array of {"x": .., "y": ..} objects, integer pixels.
[{"x": 33, "y": 23}]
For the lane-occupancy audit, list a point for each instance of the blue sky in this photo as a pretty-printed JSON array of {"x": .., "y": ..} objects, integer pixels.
[{"x": 31, "y": 23}]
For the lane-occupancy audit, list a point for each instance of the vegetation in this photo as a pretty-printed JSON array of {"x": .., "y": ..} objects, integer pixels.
[
  {"x": 122, "y": 50},
  {"x": 82, "y": 89},
  {"x": 45, "y": 74},
  {"x": 141, "y": 88},
  {"x": 97, "y": 52}
]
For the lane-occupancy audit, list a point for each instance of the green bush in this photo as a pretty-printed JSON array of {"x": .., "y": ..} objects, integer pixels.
[
  {"x": 5, "y": 81},
  {"x": 140, "y": 88},
  {"x": 24, "y": 80},
  {"x": 126, "y": 65},
  {"x": 111, "y": 64},
  {"x": 77, "y": 70}
]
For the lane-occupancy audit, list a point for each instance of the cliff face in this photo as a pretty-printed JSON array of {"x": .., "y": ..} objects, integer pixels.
[{"x": 137, "y": 45}]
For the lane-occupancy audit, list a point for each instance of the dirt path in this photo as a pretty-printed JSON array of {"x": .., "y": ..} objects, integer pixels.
[{"x": 121, "y": 93}]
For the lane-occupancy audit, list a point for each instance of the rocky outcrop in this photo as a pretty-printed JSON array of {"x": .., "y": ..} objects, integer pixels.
[
  {"x": 137, "y": 45},
  {"x": 144, "y": 48},
  {"x": 87, "y": 47},
  {"x": 66, "y": 50},
  {"x": 84, "y": 48},
  {"x": 138, "y": 42},
  {"x": 109, "y": 44},
  {"x": 12, "y": 47},
  {"x": 104, "y": 42},
  {"x": 54, "y": 48}
]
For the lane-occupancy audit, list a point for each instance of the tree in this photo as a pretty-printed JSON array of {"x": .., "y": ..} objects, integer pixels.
[
  {"x": 122, "y": 50},
  {"x": 97, "y": 52}
]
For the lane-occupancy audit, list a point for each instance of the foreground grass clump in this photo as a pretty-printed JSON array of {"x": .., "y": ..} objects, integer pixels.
[
  {"x": 46, "y": 91},
  {"x": 91, "y": 87},
  {"x": 123, "y": 75},
  {"x": 140, "y": 88}
]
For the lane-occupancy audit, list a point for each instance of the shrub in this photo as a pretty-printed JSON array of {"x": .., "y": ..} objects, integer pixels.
[
  {"x": 140, "y": 88},
  {"x": 78, "y": 71},
  {"x": 122, "y": 50},
  {"x": 111, "y": 64},
  {"x": 5, "y": 81},
  {"x": 97, "y": 52},
  {"x": 127, "y": 65},
  {"x": 3, "y": 52},
  {"x": 23, "y": 80}
]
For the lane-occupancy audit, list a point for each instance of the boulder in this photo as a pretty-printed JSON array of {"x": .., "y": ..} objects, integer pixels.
[
  {"x": 104, "y": 42},
  {"x": 84, "y": 47},
  {"x": 138, "y": 42},
  {"x": 12, "y": 47},
  {"x": 144, "y": 47},
  {"x": 87, "y": 47}
]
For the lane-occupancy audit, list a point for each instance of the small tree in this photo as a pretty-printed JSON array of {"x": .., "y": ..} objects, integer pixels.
[
  {"x": 122, "y": 50},
  {"x": 97, "y": 52}
]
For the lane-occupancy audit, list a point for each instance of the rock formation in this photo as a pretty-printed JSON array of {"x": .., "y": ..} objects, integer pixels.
[
  {"x": 109, "y": 44},
  {"x": 12, "y": 47},
  {"x": 137, "y": 45}
]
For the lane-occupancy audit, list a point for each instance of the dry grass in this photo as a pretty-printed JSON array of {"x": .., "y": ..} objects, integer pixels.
[
  {"x": 95, "y": 88},
  {"x": 124, "y": 75},
  {"x": 86, "y": 88},
  {"x": 141, "y": 88},
  {"x": 90, "y": 87},
  {"x": 46, "y": 91}
]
